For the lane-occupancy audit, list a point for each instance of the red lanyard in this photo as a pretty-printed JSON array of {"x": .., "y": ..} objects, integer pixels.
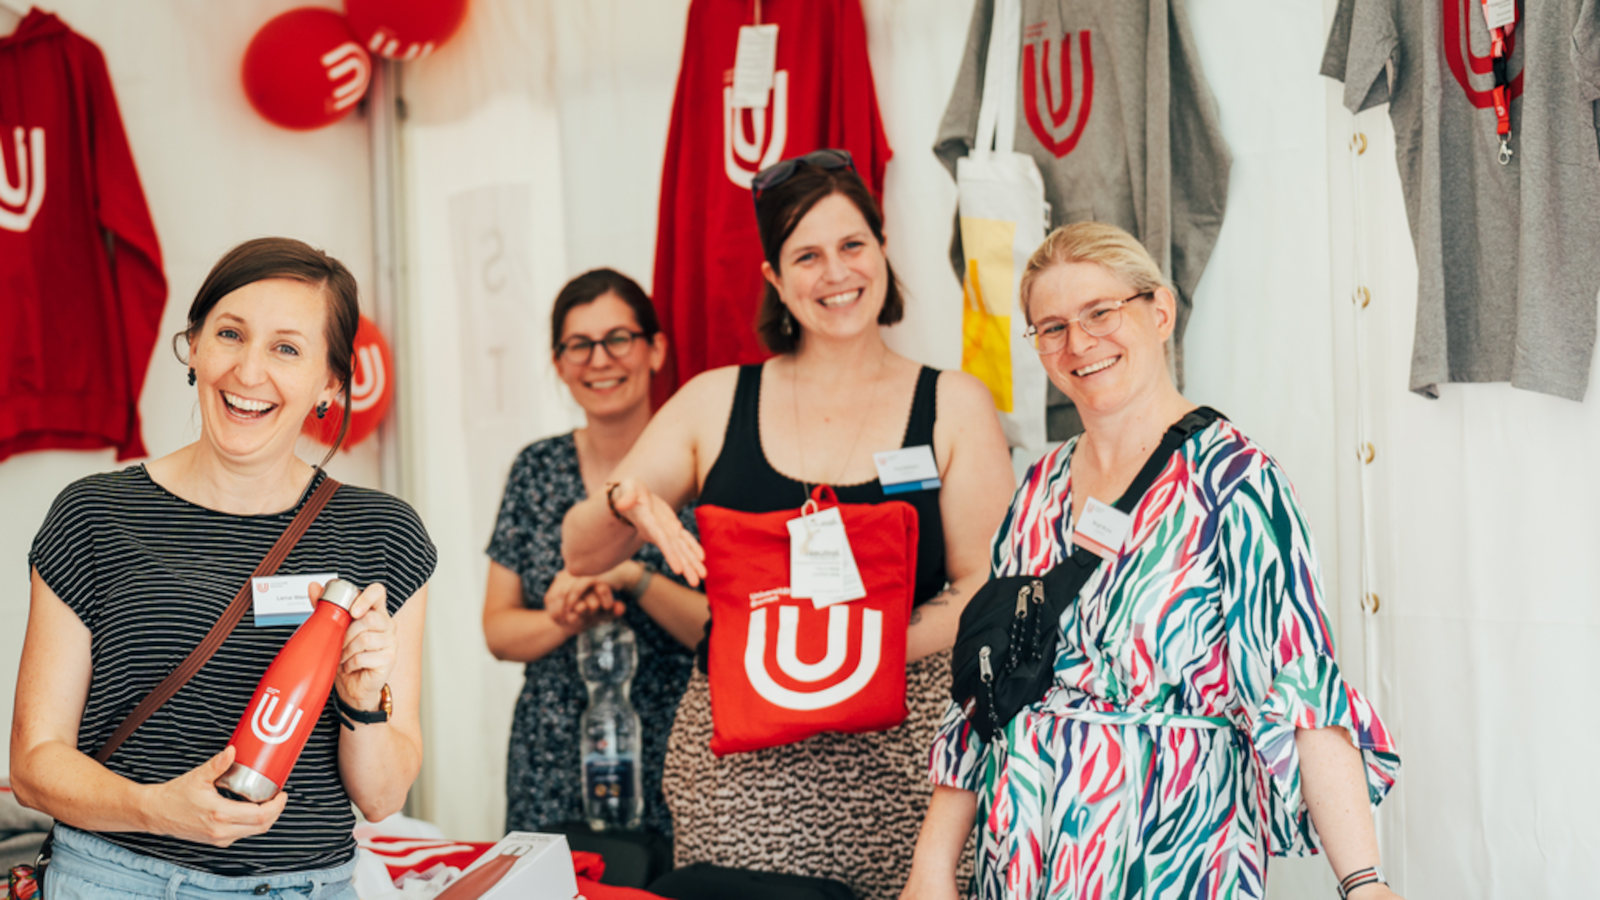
[{"x": 1506, "y": 12}]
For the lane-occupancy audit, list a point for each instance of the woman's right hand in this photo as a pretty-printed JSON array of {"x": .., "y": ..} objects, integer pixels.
[
  {"x": 188, "y": 807},
  {"x": 577, "y": 603},
  {"x": 658, "y": 523}
]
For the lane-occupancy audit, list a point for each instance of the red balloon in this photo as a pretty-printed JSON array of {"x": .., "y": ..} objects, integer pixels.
[
  {"x": 304, "y": 70},
  {"x": 371, "y": 392},
  {"x": 404, "y": 29}
]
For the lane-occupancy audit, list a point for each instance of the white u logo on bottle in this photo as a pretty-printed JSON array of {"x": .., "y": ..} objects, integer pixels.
[
  {"x": 268, "y": 730},
  {"x": 833, "y": 658}
]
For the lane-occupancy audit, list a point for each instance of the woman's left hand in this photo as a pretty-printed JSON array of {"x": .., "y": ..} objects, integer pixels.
[{"x": 369, "y": 648}]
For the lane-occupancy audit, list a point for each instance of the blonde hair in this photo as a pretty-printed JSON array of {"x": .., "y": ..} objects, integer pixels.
[{"x": 1108, "y": 246}]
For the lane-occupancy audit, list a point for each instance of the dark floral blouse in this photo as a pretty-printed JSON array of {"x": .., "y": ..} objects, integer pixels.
[{"x": 543, "y": 784}]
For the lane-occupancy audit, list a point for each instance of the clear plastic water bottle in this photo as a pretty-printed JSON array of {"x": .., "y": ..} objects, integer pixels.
[{"x": 613, "y": 796}]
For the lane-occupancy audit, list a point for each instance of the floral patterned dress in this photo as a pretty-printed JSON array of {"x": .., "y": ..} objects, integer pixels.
[
  {"x": 1162, "y": 762},
  {"x": 543, "y": 780}
]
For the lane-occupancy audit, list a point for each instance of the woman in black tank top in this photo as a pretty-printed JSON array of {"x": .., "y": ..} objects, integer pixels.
[{"x": 758, "y": 438}]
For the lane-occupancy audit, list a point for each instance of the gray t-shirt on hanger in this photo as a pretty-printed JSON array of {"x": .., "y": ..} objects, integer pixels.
[
  {"x": 1508, "y": 256},
  {"x": 1142, "y": 149}
]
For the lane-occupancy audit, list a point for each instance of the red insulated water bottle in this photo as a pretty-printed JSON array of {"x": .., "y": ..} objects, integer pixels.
[{"x": 289, "y": 700}]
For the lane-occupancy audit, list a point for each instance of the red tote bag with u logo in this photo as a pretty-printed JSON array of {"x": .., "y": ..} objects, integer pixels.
[{"x": 782, "y": 670}]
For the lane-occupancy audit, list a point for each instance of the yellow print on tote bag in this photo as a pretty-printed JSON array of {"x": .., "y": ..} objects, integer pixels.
[{"x": 986, "y": 306}]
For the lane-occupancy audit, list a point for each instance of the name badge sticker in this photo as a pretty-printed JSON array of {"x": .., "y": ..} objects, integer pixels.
[
  {"x": 907, "y": 469},
  {"x": 822, "y": 567},
  {"x": 1102, "y": 529},
  {"x": 284, "y": 599}
]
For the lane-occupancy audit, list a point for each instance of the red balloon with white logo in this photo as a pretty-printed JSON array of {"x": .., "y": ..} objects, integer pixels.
[
  {"x": 404, "y": 29},
  {"x": 288, "y": 700},
  {"x": 304, "y": 69},
  {"x": 371, "y": 392}
]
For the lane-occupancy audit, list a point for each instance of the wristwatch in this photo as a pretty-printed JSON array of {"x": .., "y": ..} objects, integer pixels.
[{"x": 350, "y": 717}]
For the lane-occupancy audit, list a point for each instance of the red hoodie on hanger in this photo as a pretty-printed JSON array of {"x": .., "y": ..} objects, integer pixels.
[
  {"x": 707, "y": 283},
  {"x": 81, "y": 286}
]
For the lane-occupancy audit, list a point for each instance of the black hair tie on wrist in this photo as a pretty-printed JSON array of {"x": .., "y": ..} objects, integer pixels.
[{"x": 611, "y": 503}]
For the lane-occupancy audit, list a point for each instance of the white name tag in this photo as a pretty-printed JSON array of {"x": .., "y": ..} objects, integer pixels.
[
  {"x": 822, "y": 568},
  {"x": 907, "y": 469},
  {"x": 1102, "y": 529},
  {"x": 1500, "y": 13},
  {"x": 754, "y": 61},
  {"x": 284, "y": 599}
]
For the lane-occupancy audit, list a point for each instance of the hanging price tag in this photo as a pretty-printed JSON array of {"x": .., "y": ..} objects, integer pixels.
[
  {"x": 1499, "y": 13},
  {"x": 754, "y": 63},
  {"x": 822, "y": 567}
]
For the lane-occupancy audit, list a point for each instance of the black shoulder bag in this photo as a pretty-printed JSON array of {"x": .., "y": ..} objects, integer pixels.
[{"x": 1005, "y": 650}]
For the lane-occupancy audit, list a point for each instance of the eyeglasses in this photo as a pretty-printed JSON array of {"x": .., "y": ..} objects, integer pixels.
[
  {"x": 1097, "y": 321},
  {"x": 828, "y": 159},
  {"x": 579, "y": 350}
]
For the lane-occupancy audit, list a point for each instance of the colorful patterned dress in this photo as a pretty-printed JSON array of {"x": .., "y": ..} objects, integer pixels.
[{"x": 1162, "y": 763}]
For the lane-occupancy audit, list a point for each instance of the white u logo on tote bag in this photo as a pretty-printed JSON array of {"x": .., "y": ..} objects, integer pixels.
[{"x": 789, "y": 660}]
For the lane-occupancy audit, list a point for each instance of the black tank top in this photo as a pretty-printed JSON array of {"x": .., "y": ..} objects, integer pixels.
[{"x": 742, "y": 479}]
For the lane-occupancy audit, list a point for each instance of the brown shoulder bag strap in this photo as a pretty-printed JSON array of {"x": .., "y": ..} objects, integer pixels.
[{"x": 224, "y": 625}]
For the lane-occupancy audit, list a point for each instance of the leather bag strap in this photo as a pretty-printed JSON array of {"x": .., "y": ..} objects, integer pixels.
[
  {"x": 1062, "y": 583},
  {"x": 219, "y": 632}
]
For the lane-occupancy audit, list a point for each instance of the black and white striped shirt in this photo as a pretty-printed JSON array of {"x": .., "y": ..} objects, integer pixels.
[{"x": 149, "y": 573}]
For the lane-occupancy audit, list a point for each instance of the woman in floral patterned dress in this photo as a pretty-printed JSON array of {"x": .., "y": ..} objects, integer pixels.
[
  {"x": 606, "y": 345},
  {"x": 1198, "y": 723}
]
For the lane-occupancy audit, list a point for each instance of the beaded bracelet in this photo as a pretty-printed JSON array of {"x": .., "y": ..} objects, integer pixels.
[{"x": 1360, "y": 878}]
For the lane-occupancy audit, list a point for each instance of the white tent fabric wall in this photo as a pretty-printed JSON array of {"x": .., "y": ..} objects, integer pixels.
[{"x": 1485, "y": 567}]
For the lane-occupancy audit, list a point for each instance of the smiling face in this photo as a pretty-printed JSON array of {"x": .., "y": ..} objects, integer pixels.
[
  {"x": 602, "y": 385},
  {"x": 1105, "y": 374},
  {"x": 261, "y": 364},
  {"x": 832, "y": 273}
]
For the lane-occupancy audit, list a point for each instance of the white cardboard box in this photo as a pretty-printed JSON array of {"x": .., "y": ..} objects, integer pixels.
[{"x": 522, "y": 864}]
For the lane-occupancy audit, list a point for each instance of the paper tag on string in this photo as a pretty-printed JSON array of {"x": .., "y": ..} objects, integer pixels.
[
  {"x": 822, "y": 567},
  {"x": 754, "y": 63},
  {"x": 1499, "y": 13}
]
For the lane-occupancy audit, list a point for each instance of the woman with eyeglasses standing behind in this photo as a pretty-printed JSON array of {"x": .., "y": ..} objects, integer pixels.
[
  {"x": 756, "y": 439},
  {"x": 606, "y": 346}
]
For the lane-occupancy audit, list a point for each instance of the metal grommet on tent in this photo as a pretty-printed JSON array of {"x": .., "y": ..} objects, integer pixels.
[
  {"x": 1370, "y": 603},
  {"x": 1362, "y": 296},
  {"x": 1367, "y": 452}
]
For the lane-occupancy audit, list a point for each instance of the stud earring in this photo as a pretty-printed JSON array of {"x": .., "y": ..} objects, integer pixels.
[
  {"x": 322, "y": 410},
  {"x": 191, "y": 376}
]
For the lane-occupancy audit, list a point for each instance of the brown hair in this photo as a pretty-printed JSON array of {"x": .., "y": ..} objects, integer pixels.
[
  {"x": 779, "y": 210},
  {"x": 279, "y": 257},
  {"x": 1108, "y": 246},
  {"x": 591, "y": 286}
]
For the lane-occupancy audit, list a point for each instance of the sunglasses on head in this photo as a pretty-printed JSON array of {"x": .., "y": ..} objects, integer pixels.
[{"x": 779, "y": 172}]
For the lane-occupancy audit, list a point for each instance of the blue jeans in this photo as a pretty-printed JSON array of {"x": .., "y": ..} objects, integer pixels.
[{"x": 85, "y": 866}]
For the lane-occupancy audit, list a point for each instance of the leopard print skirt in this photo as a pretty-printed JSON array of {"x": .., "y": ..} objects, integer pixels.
[{"x": 842, "y": 806}]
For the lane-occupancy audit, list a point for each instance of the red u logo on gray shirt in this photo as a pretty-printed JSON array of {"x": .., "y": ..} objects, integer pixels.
[{"x": 1048, "y": 102}]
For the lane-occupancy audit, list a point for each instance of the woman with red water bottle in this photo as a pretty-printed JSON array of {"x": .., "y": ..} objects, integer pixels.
[{"x": 131, "y": 570}]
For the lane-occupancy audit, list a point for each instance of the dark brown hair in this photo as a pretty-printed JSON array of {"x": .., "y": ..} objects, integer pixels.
[
  {"x": 591, "y": 286},
  {"x": 278, "y": 257},
  {"x": 779, "y": 210}
]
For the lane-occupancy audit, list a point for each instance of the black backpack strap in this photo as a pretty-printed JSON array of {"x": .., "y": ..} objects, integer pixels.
[{"x": 1063, "y": 582}]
